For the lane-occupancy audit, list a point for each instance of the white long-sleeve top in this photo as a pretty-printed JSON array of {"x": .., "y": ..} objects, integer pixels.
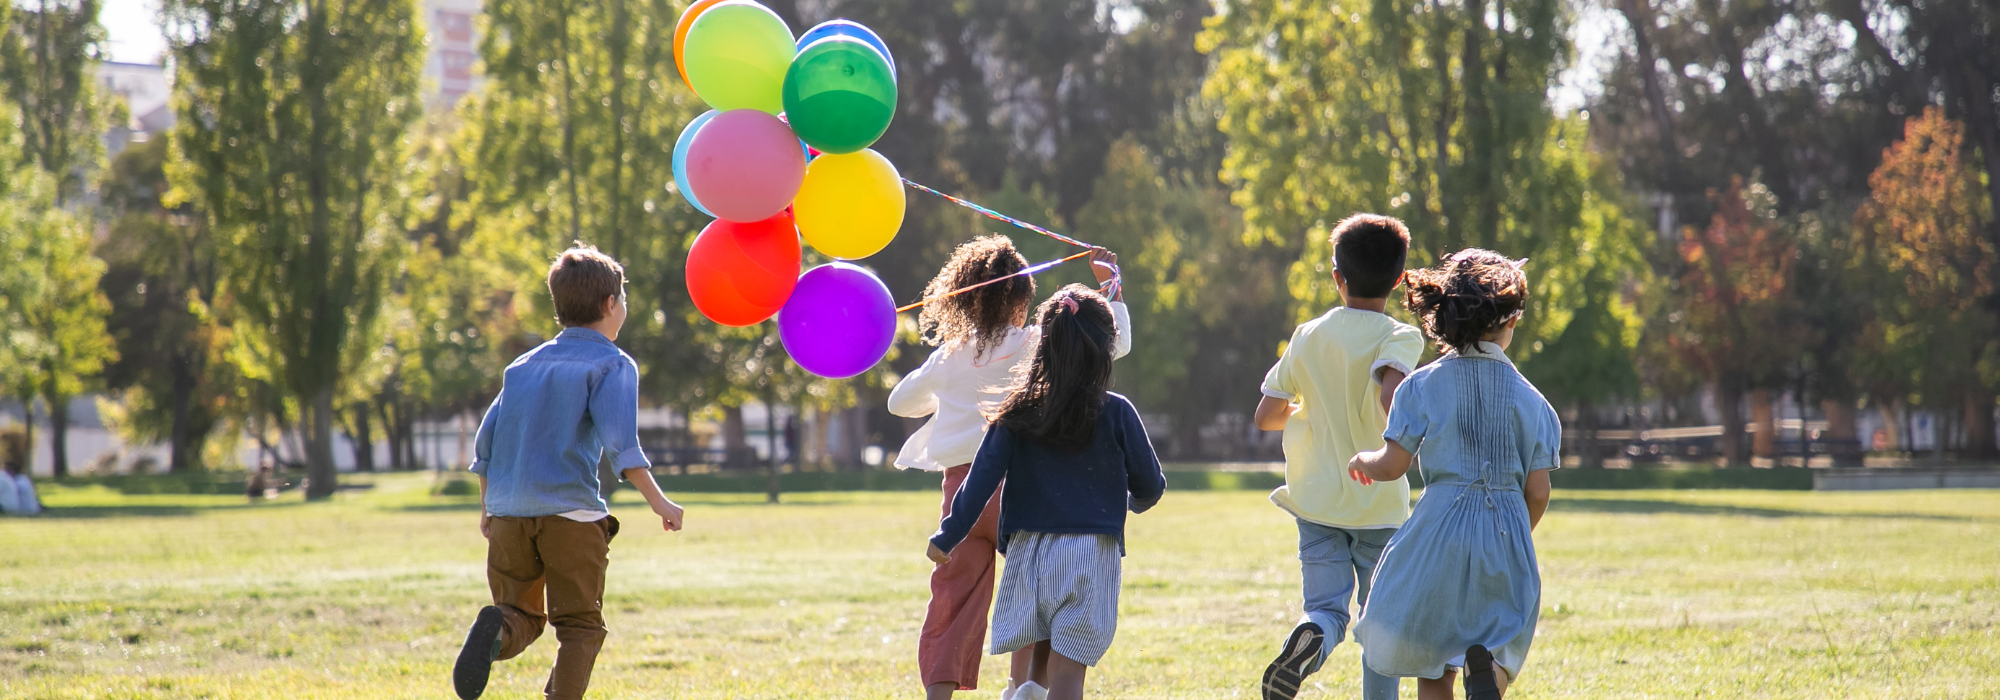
[{"x": 958, "y": 384}]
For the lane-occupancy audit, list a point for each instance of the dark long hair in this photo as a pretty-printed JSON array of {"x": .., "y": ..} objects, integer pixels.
[
  {"x": 1467, "y": 297},
  {"x": 981, "y": 315},
  {"x": 1056, "y": 398}
]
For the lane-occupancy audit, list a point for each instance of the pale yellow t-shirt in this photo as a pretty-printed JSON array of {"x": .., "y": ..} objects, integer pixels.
[{"x": 1332, "y": 369}]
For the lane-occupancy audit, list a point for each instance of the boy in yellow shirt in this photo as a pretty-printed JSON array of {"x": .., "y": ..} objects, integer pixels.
[{"x": 1330, "y": 393}]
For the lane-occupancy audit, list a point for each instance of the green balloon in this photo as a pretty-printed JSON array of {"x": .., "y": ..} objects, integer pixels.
[
  {"x": 737, "y": 53},
  {"x": 839, "y": 95}
]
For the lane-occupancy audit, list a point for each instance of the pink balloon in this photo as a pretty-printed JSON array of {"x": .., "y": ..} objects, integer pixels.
[{"x": 745, "y": 165}]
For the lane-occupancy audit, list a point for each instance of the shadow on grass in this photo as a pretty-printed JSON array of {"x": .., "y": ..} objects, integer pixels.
[
  {"x": 150, "y": 511},
  {"x": 1637, "y": 506},
  {"x": 704, "y": 500}
]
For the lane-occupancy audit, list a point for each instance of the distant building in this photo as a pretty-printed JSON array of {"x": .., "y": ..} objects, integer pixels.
[
  {"x": 145, "y": 91},
  {"x": 449, "y": 73}
]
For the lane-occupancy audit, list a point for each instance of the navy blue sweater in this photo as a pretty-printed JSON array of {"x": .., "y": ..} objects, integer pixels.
[{"x": 1061, "y": 492}]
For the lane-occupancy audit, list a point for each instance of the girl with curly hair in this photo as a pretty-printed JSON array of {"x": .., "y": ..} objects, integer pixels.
[
  {"x": 1075, "y": 457},
  {"x": 981, "y": 338},
  {"x": 1458, "y": 587}
]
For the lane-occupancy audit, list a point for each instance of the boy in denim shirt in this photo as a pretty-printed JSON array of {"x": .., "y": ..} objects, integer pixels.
[{"x": 562, "y": 406}]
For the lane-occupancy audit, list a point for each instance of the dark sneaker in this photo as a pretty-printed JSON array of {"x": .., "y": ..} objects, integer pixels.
[
  {"x": 475, "y": 659},
  {"x": 1282, "y": 678},
  {"x": 1480, "y": 683}
]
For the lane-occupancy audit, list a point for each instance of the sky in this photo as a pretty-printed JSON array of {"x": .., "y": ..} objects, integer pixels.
[
  {"x": 133, "y": 26},
  {"x": 134, "y": 30}
]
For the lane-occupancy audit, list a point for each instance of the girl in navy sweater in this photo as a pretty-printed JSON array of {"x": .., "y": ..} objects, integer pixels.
[{"x": 1074, "y": 457}]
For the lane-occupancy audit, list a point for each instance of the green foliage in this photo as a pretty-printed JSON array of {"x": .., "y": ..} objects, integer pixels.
[
  {"x": 1436, "y": 118},
  {"x": 173, "y": 379},
  {"x": 290, "y": 114},
  {"x": 47, "y": 53}
]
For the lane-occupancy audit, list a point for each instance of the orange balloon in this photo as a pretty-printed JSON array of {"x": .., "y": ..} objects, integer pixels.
[
  {"x": 681, "y": 35},
  {"x": 739, "y": 274}
]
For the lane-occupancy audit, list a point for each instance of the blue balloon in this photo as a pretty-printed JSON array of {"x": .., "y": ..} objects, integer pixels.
[
  {"x": 681, "y": 159},
  {"x": 850, "y": 29}
]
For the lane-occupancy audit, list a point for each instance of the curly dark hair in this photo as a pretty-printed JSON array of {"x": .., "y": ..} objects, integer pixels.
[
  {"x": 981, "y": 315},
  {"x": 1058, "y": 394},
  {"x": 1473, "y": 293}
]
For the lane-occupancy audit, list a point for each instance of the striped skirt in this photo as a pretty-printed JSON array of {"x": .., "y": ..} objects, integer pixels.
[{"x": 1062, "y": 588}]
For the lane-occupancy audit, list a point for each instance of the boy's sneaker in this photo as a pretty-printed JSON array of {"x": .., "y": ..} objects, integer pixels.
[
  {"x": 1480, "y": 683},
  {"x": 475, "y": 659},
  {"x": 1283, "y": 676}
]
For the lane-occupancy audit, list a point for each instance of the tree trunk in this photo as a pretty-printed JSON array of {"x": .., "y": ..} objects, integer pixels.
[
  {"x": 1842, "y": 432},
  {"x": 1729, "y": 402},
  {"x": 28, "y": 434},
  {"x": 319, "y": 447},
  {"x": 179, "y": 458},
  {"x": 59, "y": 435},
  {"x": 1979, "y": 442},
  {"x": 771, "y": 465},
  {"x": 734, "y": 440},
  {"x": 1764, "y": 443},
  {"x": 1586, "y": 443},
  {"x": 363, "y": 439}
]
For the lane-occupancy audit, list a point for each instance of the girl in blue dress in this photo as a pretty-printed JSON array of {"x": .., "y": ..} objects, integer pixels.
[{"x": 1458, "y": 587}]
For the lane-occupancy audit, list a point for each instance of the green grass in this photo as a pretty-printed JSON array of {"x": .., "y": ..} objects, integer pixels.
[{"x": 1666, "y": 594}]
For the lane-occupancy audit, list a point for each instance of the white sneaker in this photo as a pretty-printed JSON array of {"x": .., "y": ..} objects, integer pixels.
[
  {"x": 1006, "y": 694},
  {"x": 1031, "y": 691}
]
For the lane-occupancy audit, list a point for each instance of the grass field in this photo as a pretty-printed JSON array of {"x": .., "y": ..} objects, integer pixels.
[{"x": 1648, "y": 594}]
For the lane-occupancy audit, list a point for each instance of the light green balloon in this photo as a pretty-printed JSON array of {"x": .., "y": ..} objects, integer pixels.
[{"x": 737, "y": 53}]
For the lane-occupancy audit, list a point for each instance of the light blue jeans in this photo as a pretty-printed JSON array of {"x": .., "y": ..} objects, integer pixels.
[{"x": 1336, "y": 564}]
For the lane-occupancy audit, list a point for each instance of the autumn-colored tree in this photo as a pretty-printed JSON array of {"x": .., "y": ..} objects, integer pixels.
[
  {"x": 1924, "y": 225},
  {"x": 1735, "y": 320}
]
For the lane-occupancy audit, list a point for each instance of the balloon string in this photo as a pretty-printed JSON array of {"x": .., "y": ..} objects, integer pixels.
[
  {"x": 997, "y": 216},
  {"x": 1024, "y": 272}
]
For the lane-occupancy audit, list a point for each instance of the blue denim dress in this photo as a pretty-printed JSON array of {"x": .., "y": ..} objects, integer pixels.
[{"x": 1462, "y": 570}]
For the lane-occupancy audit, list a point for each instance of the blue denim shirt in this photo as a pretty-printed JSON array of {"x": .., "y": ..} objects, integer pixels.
[{"x": 562, "y": 406}]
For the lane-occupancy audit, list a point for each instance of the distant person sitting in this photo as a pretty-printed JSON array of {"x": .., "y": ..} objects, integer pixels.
[
  {"x": 17, "y": 495},
  {"x": 263, "y": 482}
]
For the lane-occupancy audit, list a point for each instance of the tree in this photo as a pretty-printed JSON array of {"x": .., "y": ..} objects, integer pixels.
[
  {"x": 58, "y": 340},
  {"x": 1438, "y": 116},
  {"x": 290, "y": 114},
  {"x": 1924, "y": 223},
  {"x": 46, "y": 57},
  {"x": 173, "y": 376},
  {"x": 1737, "y": 320}
]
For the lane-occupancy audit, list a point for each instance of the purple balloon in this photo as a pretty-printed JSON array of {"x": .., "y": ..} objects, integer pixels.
[{"x": 839, "y": 321}]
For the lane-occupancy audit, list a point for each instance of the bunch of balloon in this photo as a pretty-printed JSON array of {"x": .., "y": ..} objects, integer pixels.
[{"x": 784, "y": 153}]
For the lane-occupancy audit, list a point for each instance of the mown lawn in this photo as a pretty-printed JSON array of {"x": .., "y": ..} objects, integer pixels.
[{"x": 1649, "y": 594}]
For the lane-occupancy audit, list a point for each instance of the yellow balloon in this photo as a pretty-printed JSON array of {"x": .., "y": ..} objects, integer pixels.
[{"x": 851, "y": 204}]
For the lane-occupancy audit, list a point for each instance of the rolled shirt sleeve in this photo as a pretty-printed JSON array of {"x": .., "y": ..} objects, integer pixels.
[
  {"x": 482, "y": 446},
  {"x": 614, "y": 408},
  {"x": 1121, "y": 343},
  {"x": 1279, "y": 383},
  {"x": 1400, "y": 352}
]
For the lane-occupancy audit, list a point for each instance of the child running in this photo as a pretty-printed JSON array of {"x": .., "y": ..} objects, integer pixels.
[
  {"x": 1330, "y": 393},
  {"x": 562, "y": 406},
  {"x": 1075, "y": 456},
  {"x": 1458, "y": 587},
  {"x": 980, "y": 342}
]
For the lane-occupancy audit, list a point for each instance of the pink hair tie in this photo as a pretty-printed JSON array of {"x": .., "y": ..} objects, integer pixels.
[{"x": 1068, "y": 302}]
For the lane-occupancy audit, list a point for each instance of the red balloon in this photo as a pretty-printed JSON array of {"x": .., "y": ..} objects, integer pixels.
[{"x": 741, "y": 273}]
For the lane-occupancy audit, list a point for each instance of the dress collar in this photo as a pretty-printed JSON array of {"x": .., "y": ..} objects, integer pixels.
[{"x": 1482, "y": 349}]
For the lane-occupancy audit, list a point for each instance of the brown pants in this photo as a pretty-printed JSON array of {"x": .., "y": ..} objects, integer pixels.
[
  {"x": 559, "y": 561},
  {"x": 952, "y": 641}
]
